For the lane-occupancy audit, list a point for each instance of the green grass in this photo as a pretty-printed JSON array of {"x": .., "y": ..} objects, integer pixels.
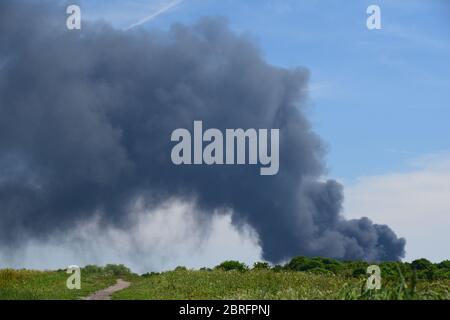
[
  {"x": 269, "y": 285},
  {"x": 301, "y": 278},
  {"x": 218, "y": 284},
  {"x": 48, "y": 285}
]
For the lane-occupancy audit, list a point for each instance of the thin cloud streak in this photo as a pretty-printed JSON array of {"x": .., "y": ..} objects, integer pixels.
[{"x": 155, "y": 14}]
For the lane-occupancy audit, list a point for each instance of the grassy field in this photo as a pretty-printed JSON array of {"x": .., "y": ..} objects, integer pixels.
[
  {"x": 271, "y": 285},
  {"x": 218, "y": 284},
  {"x": 48, "y": 285},
  {"x": 302, "y": 278}
]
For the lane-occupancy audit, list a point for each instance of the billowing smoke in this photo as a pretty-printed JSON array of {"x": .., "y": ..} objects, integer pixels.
[{"x": 85, "y": 124}]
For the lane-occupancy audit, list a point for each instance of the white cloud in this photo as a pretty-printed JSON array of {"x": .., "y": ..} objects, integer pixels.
[
  {"x": 161, "y": 239},
  {"x": 416, "y": 204}
]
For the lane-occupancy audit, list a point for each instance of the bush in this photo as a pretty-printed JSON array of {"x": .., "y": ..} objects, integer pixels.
[
  {"x": 353, "y": 268},
  {"x": 320, "y": 271},
  {"x": 390, "y": 270},
  {"x": 444, "y": 265},
  {"x": 422, "y": 264},
  {"x": 232, "y": 265},
  {"x": 181, "y": 268},
  {"x": 442, "y": 274},
  {"x": 425, "y": 269},
  {"x": 443, "y": 270},
  {"x": 277, "y": 268},
  {"x": 330, "y": 264},
  {"x": 150, "y": 274},
  {"x": 117, "y": 269},
  {"x": 428, "y": 274},
  {"x": 92, "y": 269},
  {"x": 261, "y": 266},
  {"x": 358, "y": 272},
  {"x": 304, "y": 264},
  {"x": 205, "y": 269}
]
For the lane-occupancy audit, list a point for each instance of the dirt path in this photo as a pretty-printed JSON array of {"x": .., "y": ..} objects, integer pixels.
[{"x": 105, "y": 294}]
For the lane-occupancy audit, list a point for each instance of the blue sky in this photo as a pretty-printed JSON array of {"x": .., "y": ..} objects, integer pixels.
[{"x": 378, "y": 97}]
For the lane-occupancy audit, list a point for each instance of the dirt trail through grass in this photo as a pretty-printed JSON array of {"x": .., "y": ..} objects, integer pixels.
[{"x": 105, "y": 294}]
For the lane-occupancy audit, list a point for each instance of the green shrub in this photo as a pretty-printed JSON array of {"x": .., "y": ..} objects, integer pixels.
[
  {"x": 444, "y": 265},
  {"x": 117, "y": 269},
  {"x": 150, "y": 274},
  {"x": 320, "y": 271},
  {"x": 330, "y": 264},
  {"x": 353, "y": 268},
  {"x": 296, "y": 263},
  {"x": 425, "y": 269},
  {"x": 277, "y": 268},
  {"x": 181, "y": 268},
  {"x": 92, "y": 269},
  {"x": 390, "y": 270},
  {"x": 422, "y": 264},
  {"x": 261, "y": 266},
  {"x": 205, "y": 269},
  {"x": 232, "y": 265},
  {"x": 304, "y": 264},
  {"x": 359, "y": 272}
]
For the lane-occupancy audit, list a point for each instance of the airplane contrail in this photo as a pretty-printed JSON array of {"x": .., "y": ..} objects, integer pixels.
[{"x": 155, "y": 14}]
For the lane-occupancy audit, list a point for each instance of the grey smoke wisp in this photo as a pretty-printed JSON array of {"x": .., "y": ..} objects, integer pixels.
[{"x": 85, "y": 124}]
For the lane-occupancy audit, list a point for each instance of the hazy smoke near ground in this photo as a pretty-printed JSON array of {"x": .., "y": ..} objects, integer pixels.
[
  {"x": 156, "y": 240},
  {"x": 85, "y": 124}
]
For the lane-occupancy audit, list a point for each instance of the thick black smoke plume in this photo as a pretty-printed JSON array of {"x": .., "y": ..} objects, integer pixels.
[{"x": 85, "y": 124}]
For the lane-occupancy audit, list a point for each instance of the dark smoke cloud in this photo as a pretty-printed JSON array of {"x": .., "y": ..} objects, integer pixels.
[{"x": 85, "y": 124}]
